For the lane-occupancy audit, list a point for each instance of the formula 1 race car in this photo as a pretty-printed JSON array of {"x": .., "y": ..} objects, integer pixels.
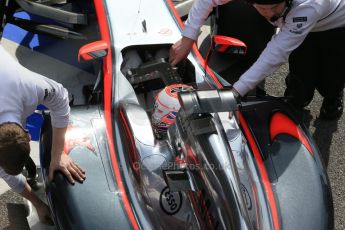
[{"x": 221, "y": 164}]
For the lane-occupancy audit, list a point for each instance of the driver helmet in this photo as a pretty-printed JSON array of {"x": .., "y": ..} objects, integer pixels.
[{"x": 166, "y": 107}]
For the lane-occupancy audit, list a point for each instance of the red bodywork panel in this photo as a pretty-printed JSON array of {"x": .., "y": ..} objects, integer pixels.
[{"x": 280, "y": 123}]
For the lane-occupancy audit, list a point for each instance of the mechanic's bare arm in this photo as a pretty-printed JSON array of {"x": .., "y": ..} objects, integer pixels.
[
  {"x": 180, "y": 50},
  {"x": 61, "y": 161},
  {"x": 54, "y": 96},
  {"x": 42, "y": 209}
]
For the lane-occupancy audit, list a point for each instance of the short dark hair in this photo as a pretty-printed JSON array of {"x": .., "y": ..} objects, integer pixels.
[{"x": 14, "y": 148}]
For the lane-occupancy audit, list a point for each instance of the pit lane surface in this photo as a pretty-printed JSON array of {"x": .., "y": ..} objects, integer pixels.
[{"x": 328, "y": 135}]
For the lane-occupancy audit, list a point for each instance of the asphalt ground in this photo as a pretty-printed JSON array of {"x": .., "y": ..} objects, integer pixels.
[{"x": 328, "y": 135}]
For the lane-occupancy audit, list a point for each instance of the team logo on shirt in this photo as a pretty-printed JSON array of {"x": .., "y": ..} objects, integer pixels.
[
  {"x": 298, "y": 24},
  {"x": 48, "y": 93},
  {"x": 299, "y": 19},
  {"x": 294, "y": 31}
]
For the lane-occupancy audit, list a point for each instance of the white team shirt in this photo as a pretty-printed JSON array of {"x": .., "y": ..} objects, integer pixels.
[
  {"x": 16, "y": 183},
  {"x": 304, "y": 16},
  {"x": 21, "y": 90}
]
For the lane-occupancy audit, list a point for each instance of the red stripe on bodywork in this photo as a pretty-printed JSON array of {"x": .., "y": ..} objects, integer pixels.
[
  {"x": 280, "y": 123},
  {"x": 195, "y": 48},
  {"x": 261, "y": 166},
  {"x": 108, "y": 82}
]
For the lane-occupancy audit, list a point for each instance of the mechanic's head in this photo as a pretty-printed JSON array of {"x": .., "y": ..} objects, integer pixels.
[
  {"x": 14, "y": 148},
  {"x": 166, "y": 108},
  {"x": 271, "y": 9}
]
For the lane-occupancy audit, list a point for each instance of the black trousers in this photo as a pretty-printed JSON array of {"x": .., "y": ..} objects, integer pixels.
[{"x": 318, "y": 63}]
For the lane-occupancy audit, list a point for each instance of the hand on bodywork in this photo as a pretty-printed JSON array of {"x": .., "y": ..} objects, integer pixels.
[
  {"x": 196, "y": 18},
  {"x": 180, "y": 50},
  {"x": 61, "y": 161}
]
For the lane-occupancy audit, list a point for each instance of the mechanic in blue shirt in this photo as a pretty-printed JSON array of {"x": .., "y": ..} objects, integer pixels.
[
  {"x": 311, "y": 37},
  {"x": 21, "y": 91}
]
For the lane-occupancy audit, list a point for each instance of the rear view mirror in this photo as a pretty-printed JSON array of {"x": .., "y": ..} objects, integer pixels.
[
  {"x": 229, "y": 45},
  {"x": 93, "y": 51}
]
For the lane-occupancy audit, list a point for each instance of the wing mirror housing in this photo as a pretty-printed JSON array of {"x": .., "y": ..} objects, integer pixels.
[
  {"x": 93, "y": 50},
  {"x": 224, "y": 44}
]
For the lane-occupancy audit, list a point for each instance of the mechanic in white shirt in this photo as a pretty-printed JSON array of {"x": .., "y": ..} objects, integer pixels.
[
  {"x": 311, "y": 38},
  {"x": 21, "y": 91}
]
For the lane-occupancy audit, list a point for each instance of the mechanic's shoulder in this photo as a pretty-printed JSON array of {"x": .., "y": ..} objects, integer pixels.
[{"x": 309, "y": 8}]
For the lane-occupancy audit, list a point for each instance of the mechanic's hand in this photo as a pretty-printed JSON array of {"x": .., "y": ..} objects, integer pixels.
[
  {"x": 180, "y": 50},
  {"x": 67, "y": 166}
]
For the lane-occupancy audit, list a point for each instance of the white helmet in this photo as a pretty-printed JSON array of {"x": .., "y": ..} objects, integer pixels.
[{"x": 166, "y": 108}]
